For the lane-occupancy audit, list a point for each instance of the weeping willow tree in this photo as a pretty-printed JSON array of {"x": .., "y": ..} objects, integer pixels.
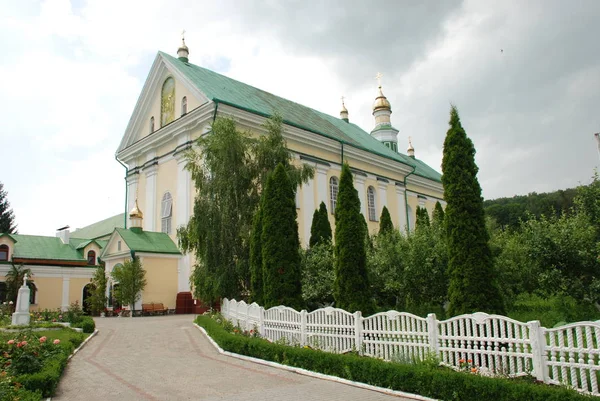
[{"x": 229, "y": 174}]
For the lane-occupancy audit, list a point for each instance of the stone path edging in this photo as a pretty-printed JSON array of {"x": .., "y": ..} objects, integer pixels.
[
  {"x": 77, "y": 350},
  {"x": 313, "y": 374}
]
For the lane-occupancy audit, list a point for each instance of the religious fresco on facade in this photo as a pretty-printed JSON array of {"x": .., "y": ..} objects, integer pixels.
[{"x": 167, "y": 102}]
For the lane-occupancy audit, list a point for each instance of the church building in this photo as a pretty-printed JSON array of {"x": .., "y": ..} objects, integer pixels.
[{"x": 179, "y": 102}]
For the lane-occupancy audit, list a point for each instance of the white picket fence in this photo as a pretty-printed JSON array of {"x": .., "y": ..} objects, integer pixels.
[{"x": 567, "y": 355}]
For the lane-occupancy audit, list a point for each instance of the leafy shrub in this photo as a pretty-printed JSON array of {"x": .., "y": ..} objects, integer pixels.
[
  {"x": 424, "y": 379},
  {"x": 8, "y": 391},
  {"x": 74, "y": 313},
  {"x": 86, "y": 323},
  {"x": 552, "y": 310}
]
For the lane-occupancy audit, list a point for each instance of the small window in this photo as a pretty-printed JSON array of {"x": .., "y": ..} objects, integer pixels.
[
  {"x": 333, "y": 193},
  {"x": 118, "y": 245},
  {"x": 152, "y": 124},
  {"x": 32, "y": 293},
  {"x": 91, "y": 258},
  {"x": 3, "y": 253},
  {"x": 371, "y": 203},
  {"x": 184, "y": 106},
  {"x": 166, "y": 212}
]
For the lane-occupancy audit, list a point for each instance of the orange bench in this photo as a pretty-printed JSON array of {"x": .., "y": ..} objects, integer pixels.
[{"x": 154, "y": 309}]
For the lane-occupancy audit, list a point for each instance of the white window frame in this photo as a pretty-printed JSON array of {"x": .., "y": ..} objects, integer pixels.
[
  {"x": 371, "y": 198},
  {"x": 334, "y": 187},
  {"x": 166, "y": 213}
]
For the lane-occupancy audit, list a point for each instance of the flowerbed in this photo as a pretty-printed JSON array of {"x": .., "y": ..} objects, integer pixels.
[
  {"x": 31, "y": 363},
  {"x": 429, "y": 380}
]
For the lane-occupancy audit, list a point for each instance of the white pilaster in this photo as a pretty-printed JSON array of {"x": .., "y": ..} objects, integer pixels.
[
  {"x": 359, "y": 183},
  {"x": 401, "y": 209},
  {"x": 382, "y": 195},
  {"x": 308, "y": 208},
  {"x": 65, "y": 293},
  {"x": 150, "y": 204},
  {"x": 182, "y": 202},
  {"x": 132, "y": 185},
  {"x": 321, "y": 179}
]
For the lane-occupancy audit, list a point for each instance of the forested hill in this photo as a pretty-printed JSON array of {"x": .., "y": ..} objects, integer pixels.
[{"x": 508, "y": 211}]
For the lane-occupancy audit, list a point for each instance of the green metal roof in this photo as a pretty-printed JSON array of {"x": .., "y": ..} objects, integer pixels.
[
  {"x": 100, "y": 229},
  {"x": 38, "y": 247},
  {"x": 147, "y": 241},
  {"x": 220, "y": 88}
]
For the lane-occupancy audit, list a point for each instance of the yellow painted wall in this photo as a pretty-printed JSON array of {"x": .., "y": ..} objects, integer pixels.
[
  {"x": 76, "y": 290},
  {"x": 49, "y": 292},
  {"x": 161, "y": 277}
]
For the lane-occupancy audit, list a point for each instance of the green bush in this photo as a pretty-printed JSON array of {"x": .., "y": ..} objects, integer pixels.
[
  {"x": 86, "y": 323},
  {"x": 552, "y": 310},
  {"x": 46, "y": 379},
  {"x": 9, "y": 392},
  {"x": 436, "y": 382}
]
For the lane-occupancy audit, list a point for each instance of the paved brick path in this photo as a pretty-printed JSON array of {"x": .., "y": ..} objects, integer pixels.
[{"x": 167, "y": 358}]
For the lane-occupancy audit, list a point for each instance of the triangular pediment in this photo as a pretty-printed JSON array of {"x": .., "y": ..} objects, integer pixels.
[
  {"x": 115, "y": 246},
  {"x": 149, "y": 101}
]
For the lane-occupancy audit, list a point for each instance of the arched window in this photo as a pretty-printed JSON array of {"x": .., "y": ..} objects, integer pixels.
[
  {"x": 371, "y": 203},
  {"x": 3, "y": 253},
  {"x": 32, "y": 293},
  {"x": 333, "y": 193},
  {"x": 184, "y": 106},
  {"x": 167, "y": 102},
  {"x": 152, "y": 124},
  {"x": 166, "y": 212},
  {"x": 91, "y": 258}
]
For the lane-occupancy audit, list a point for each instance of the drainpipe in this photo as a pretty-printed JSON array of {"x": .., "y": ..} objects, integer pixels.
[
  {"x": 216, "y": 108},
  {"x": 342, "y": 161},
  {"x": 406, "y": 199},
  {"x": 126, "y": 173}
]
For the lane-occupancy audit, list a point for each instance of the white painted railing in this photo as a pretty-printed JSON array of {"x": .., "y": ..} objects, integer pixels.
[{"x": 568, "y": 355}]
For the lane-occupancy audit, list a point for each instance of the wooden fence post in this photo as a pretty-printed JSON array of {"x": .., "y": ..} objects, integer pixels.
[
  {"x": 432, "y": 334},
  {"x": 358, "y": 336},
  {"x": 537, "y": 336},
  {"x": 303, "y": 321}
]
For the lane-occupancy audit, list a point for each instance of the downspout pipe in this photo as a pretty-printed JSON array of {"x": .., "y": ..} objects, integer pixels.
[
  {"x": 406, "y": 199},
  {"x": 216, "y": 108},
  {"x": 126, "y": 174}
]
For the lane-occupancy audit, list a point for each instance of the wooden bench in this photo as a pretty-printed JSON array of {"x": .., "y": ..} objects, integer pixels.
[{"x": 154, "y": 309}]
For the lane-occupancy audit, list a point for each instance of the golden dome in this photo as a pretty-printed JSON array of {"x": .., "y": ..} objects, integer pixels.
[
  {"x": 136, "y": 212},
  {"x": 381, "y": 102},
  {"x": 183, "y": 46}
]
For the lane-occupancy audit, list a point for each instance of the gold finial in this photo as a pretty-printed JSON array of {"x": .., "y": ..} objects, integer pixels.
[
  {"x": 136, "y": 212},
  {"x": 378, "y": 78},
  {"x": 410, "y": 146},
  {"x": 411, "y": 149},
  {"x": 183, "y": 36},
  {"x": 183, "y": 51},
  {"x": 381, "y": 102},
  {"x": 344, "y": 105}
]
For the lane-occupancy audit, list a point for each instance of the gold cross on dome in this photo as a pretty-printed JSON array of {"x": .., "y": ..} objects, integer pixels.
[
  {"x": 183, "y": 34},
  {"x": 378, "y": 78},
  {"x": 343, "y": 99}
]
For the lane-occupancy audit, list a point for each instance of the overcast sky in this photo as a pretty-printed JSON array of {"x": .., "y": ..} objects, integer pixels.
[{"x": 525, "y": 76}]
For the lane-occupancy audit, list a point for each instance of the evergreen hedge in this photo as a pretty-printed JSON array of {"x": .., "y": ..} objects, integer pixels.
[
  {"x": 426, "y": 380},
  {"x": 280, "y": 243}
]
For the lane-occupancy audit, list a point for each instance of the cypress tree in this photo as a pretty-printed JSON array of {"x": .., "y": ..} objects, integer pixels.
[
  {"x": 438, "y": 213},
  {"x": 472, "y": 282},
  {"x": 320, "y": 230},
  {"x": 7, "y": 217},
  {"x": 351, "y": 285},
  {"x": 256, "y": 264},
  {"x": 422, "y": 217},
  {"x": 280, "y": 243},
  {"x": 385, "y": 221}
]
